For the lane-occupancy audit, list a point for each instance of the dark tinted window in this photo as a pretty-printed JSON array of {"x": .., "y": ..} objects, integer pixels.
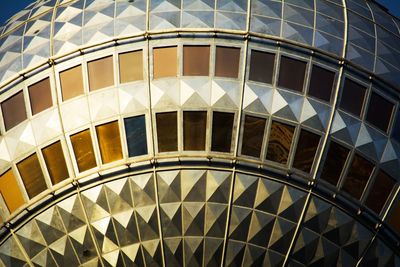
[
  {"x": 167, "y": 133},
  {"x": 253, "y": 135},
  {"x": 196, "y": 60},
  {"x": 40, "y": 96},
  {"x": 54, "y": 157},
  {"x": 291, "y": 73},
  {"x": 135, "y": 130},
  {"x": 357, "y": 177},
  {"x": 379, "y": 111},
  {"x": 396, "y": 129},
  {"x": 32, "y": 175},
  {"x": 222, "y": 131},
  {"x": 83, "y": 149},
  {"x": 321, "y": 83},
  {"x": 280, "y": 141},
  {"x": 227, "y": 62},
  {"x": 334, "y": 163},
  {"x": 305, "y": 151},
  {"x": 261, "y": 66},
  {"x": 352, "y": 99},
  {"x": 13, "y": 110},
  {"x": 394, "y": 220},
  {"x": 194, "y": 130},
  {"x": 380, "y": 191}
]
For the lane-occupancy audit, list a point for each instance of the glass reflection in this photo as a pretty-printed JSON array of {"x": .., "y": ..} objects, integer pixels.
[
  {"x": 334, "y": 163},
  {"x": 167, "y": 131},
  {"x": 357, "y": 177},
  {"x": 222, "y": 131},
  {"x": 305, "y": 151},
  {"x": 165, "y": 62},
  {"x": 253, "y": 134},
  {"x": 40, "y": 96},
  {"x": 280, "y": 142},
  {"x": 135, "y": 131},
  {"x": 380, "y": 191},
  {"x": 379, "y": 111},
  {"x": 353, "y": 95},
  {"x": 131, "y": 66},
  {"x": 32, "y": 175},
  {"x": 109, "y": 141},
  {"x": 101, "y": 73},
  {"x": 291, "y": 73},
  {"x": 13, "y": 110},
  {"x": 194, "y": 130},
  {"x": 10, "y": 191},
  {"x": 261, "y": 66},
  {"x": 71, "y": 82},
  {"x": 54, "y": 157},
  {"x": 227, "y": 62},
  {"x": 321, "y": 83},
  {"x": 196, "y": 60},
  {"x": 83, "y": 150}
]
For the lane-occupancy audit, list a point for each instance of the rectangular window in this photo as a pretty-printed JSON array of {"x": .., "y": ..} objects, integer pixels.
[
  {"x": 165, "y": 62},
  {"x": 261, "y": 66},
  {"x": 55, "y": 162},
  {"x": 353, "y": 95},
  {"x": 291, "y": 73},
  {"x": 380, "y": 191},
  {"x": 131, "y": 66},
  {"x": 109, "y": 142},
  {"x": 393, "y": 220},
  {"x": 396, "y": 129},
  {"x": 334, "y": 163},
  {"x": 222, "y": 128},
  {"x": 71, "y": 82},
  {"x": 321, "y": 83},
  {"x": 305, "y": 151},
  {"x": 280, "y": 142},
  {"x": 83, "y": 150},
  {"x": 135, "y": 131},
  {"x": 379, "y": 112},
  {"x": 101, "y": 73},
  {"x": 32, "y": 175},
  {"x": 10, "y": 191},
  {"x": 167, "y": 131},
  {"x": 196, "y": 60},
  {"x": 14, "y": 111},
  {"x": 227, "y": 62},
  {"x": 40, "y": 96},
  {"x": 194, "y": 130},
  {"x": 253, "y": 135}
]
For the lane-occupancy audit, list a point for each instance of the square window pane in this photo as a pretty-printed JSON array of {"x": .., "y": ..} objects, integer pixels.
[
  {"x": 101, "y": 73},
  {"x": 291, "y": 73},
  {"x": 167, "y": 131},
  {"x": 353, "y": 95},
  {"x": 135, "y": 130},
  {"x": 261, "y": 66},
  {"x": 379, "y": 112},
  {"x": 109, "y": 141},
  {"x": 196, "y": 60},
  {"x": 227, "y": 62},
  {"x": 32, "y": 175},
  {"x": 165, "y": 62},
  {"x": 305, "y": 151},
  {"x": 83, "y": 150},
  {"x": 394, "y": 218},
  {"x": 40, "y": 96},
  {"x": 71, "y": 82},
  {"x": 280, "y": 141},
  {"x": 334, "y": 163},
  {"x": 357, "y": 177},
  {"x": 194, "y": 130},
  {"x": 253, "y": 134},
  {"x": 380, "y": 191},
  {"x": 10, "y": 191},
  {"x": 131, "y": 66},
  {"x": 222, "y": 131},
  {"x": 321, "y": 83},
  {"x": 54, "y": 157},
  {"x": 14, "y": 110}
]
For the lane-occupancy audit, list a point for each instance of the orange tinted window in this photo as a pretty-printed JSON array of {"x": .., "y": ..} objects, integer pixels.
[
  {"x": 71, "y": 82},
  {"x": 196, "y": 60},
  {"x": 165, "y": 62},
  {"x": 14, "y": 110},
  {"x": 40, "y": 96},
  {"x": 83, "y": 149},
  {"x": 109, "y": 142},
  {"x": 32, "y": 175},
  {"x": 10, "y": 191},
  {"x": 101, "y": 73},
  {"x": 55, "y": 162},
  {"x": 227, "y": 62},
  {"x": 131, "y": 66}
]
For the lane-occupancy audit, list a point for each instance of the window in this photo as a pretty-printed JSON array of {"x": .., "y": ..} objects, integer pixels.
[
  {"x": 280, "y": 141},
  {"x": 253, "y": 134},
  {"x": 334, "y": 163},
  {"x": 40, "y": 96},
  {"x": 321, "y": 83},
  {"x": 393, "y": 220},
  {"x": 380, "y": 191},
  {"x": 54, "y": 157},
  {"x": 396, "y": 129},
  {"x": 167, "y": 131},
  {"x": 32, "y": 175},
  {"x": 291, "y": 74},
  {"x": 222, "y": 131},
  {"x": 83, "y": 150},
  {"x": 135, "y": 131},
  {"x": 165, "y": 62},
  {"x": 305, "y": 151},
  {"x": 10, "y": 191},
  {"x": 227, "y": 62},
  {"x": 71, "y": 82},
  {"x": 196, "y": 60},
  {"x": 352, "y": 98},
  {"x": 357, "y": 177},
  {"x": 101, "y": 73},
  {"x": 109, "y": 141},
  {"x": 261, "y": 66},
  {"x": 379, "y": 112},
  {"x": 194, "y": 130},
  {"x": 131, "y": 66},
  {"x": 14, "y": 110}
]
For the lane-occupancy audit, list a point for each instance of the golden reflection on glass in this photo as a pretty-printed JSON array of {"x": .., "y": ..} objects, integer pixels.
[
  {"x": 101, "y": 73},
  {"x": 196, "y": 60},
  {"x": 167, "y": 131},
  {"x": 109, "y": 141},
  {"x": 165, "y": 62},
  {"x": 194, "y": 130},
  {"x": 253, "y": 136},
  {"x": 13, "y": 110},
  {"x": 280, "y": 142},
  {"x": 305, "y": 151},
  {"x": 131, "y": 66},
  {"x": 227, "y": 62},
  {"x": 55, "y": 161},
  {"x": 40, "y": 96},
  {"x": 71, "y": 82},
  {"x": 83, "y": 150},
  {"x": 10, "y": 191},
  {"x": 32, "y": 175}
]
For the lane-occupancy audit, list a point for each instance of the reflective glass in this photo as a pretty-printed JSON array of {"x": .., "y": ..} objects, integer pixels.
[
  {"x": 334, "y": 163},
  {"x": 261, "y": 66},
  {"x": 13, "y": 110},
  {"x": 396, "y": 129},
  {"x": 101, "y": 73},
  {"x": 32, "y": 175},
  {"x": 222, "y": 128},
  {"x": 253, "y": 134},
  {"x": 280, "y": 141},
  {"x": 352, "y": 99},
  {"x": 10, "y": 191},
  {"x": 321, "y": 83},
  {"x": 196, "y": 60},
  {"x": 305, "y": 152},
  {"x": 357, "y": 177},
  {"x": 71, "y": 82},
  {"x": 194, "y": 130},
  {"x": 54, "y": 157},
  {"x": 131, "y": 66},
  {"x": 83, "y": 150},
  {"x": 394, "y": 218},
  {"x": 109, "y": 141},
  {"x": 40, "y": 96},
  {"x": 227, "y": 62},
  {"x": 379, "y": 112},
  {"x": 135, "y": 131},
  {"x": 380, "y": 191},
  {"x": 291, "y": 73},
  {"x": 167, "y": 131},
  {"x": 165, "y": 62}
]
